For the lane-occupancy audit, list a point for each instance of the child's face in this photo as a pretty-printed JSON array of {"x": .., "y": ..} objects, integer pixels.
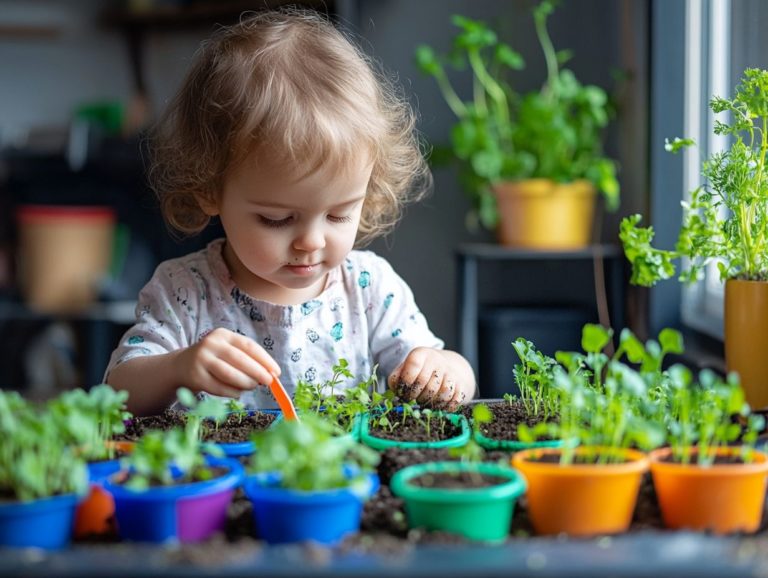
[{"x": 283, "y": 234}]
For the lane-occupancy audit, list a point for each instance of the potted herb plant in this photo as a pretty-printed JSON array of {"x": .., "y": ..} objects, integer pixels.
[
  {"x": 725, "y": 221},
  {"x": 41, "y": 477},
  {"x": 467, "y": 497},
  {"x": 702, "y": 479},
  {"x": 531, "y": 163},
  {"x": 341, "y": 406},
  {"x": 308, "y": 483},
  {"x": 169, "y": 490},
  {"x": 407, "y": 426},
  {"x": 88, "y": 420},
  {"x": 590, "y": 485},
  {"x": 537, "y": 402}
]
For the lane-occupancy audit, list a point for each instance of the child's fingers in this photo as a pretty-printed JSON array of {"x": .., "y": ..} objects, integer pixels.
[
  {"x": 432, "y": 380},
  {"x": 258, "y": 353},
  {"x": 215, "y": 387},
  {"x": 227, "y": 374}
]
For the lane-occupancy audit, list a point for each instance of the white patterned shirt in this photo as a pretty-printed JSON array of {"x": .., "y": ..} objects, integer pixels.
[{"x": 366, "y": 314}]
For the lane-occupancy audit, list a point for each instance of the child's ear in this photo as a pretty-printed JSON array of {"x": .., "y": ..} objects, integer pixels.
[{"x": 209, "y": 204}]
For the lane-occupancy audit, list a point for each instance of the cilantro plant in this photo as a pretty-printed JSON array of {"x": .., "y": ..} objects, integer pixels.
[
  {"x": 533, "y": 376},
  {"x": 605, "y": 403},
  {"x": 340, "y": 406},
  {"x": 36, "y": 458},
  {"x": 88, "y": 419},
  {"x": 702, "y": 417},
  {"x": 726, "y": 219},
  {"x": 201, "y": 410},
  {"x": 310, "y": 456},
  {"x": 554, "y": 133},
  {"x": 177, "y": 455}
]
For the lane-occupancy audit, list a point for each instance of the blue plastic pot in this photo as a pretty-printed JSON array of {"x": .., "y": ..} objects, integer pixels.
[
  {"x": 45, "y": 523},
  {"x": 284, "y": 515},
  {"x": 246, "y": 448},
  {"x": 186, "y": 513}
]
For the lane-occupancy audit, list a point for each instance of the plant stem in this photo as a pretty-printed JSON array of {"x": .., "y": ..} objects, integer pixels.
[
  {"x": 453, "y": 100},
  {"x": 540, "y": 18},
  {"x": 492, "y": 87}
]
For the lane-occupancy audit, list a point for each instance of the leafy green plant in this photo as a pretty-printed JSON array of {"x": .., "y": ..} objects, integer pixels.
[
  {"x": 554, "y": 133},
  {"x": 200, "y": 410},
  {"x": 472, "y": 451},
  {"x": 533, "y": 376},
  {"x": 177, "y": 455},
  {"x": 338, "y": 405},
  {"x": 702, "y": 417},
  {"x": 309, "y": 455},
  {"x": 88, "y": 419},
  {"x": 604, "y": 403},
  {"x": 36, "y": 458},
  {"x": 726, "y": 219},
  {"x": 163, "y": 458}
]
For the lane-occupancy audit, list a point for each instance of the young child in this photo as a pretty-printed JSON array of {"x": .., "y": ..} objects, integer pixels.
[{"x": 285, "y": 132}]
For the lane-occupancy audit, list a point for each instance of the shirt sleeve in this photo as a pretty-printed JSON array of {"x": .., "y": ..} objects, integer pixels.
[
  {"x": 396, "y": 324},
  {"x": 166, "y": 307}
]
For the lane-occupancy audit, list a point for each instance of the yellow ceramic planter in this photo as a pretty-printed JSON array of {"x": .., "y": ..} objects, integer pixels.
[
  {"x": 581, "y": 499},
  {"x": 544, "y": 214},
  {"x": 719, "y": 498},
  {"x": 746, "y": 337}
]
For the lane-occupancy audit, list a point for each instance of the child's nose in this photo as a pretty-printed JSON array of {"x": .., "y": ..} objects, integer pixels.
[{"x": 310, "y": 239}]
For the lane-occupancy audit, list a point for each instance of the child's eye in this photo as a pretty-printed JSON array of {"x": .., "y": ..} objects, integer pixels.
[
  {"x": 345, "y": 219},
  {"x": 275, "y": 223}
]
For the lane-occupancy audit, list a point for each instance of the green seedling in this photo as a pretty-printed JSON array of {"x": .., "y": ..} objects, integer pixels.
[
  {"x": 88, "y": 419},
  {"x": 310, "y": 455},
  {"x": 37, "y": 459}
]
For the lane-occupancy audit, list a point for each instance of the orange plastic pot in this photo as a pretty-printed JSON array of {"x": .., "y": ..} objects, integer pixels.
[
  {"x": 95, "y": 513},
  {"x": 721, "y": 498},
  {"x": 581, "y": 499}
]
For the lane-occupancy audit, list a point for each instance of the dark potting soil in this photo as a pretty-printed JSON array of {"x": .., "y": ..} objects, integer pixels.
[
  {"x": 384, "y": 526},
  {"x": 235, "y": 429},
  {"x": 456, "y": 480},
  {"x": 412, "y": 430},
  {"x": 506, "y": 417}
]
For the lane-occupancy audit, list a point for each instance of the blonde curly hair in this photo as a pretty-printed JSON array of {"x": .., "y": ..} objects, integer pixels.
[{"x": 289, "y": 85}]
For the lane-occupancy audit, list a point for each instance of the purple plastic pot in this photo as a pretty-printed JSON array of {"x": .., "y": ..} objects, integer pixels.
[{"x": 184, "y": 513}]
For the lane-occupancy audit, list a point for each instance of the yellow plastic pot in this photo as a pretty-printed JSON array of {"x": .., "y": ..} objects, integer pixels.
[
  {"x": 544, "y": 214},
  {"x": 581, "y": 499},
  {"x": 721, "y": 498}
]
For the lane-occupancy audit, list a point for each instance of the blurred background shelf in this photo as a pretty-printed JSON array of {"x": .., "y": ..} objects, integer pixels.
[{"x": 544, "y": 296}]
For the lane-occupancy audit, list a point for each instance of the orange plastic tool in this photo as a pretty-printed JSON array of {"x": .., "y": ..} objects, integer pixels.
[{"x": 284, "y": 401}]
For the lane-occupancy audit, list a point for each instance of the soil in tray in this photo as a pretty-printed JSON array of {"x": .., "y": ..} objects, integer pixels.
[
  {"x": 506, "y": 417},
  {"x": 234, "y": 429},
  {"x": 412, "y": 430}
]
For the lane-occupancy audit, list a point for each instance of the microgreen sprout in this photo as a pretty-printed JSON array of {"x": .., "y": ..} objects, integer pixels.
[
  {"x": 310, "y": 455},
  {"x": 89, "y": 419},
  {"x": 37, "y": 459}
]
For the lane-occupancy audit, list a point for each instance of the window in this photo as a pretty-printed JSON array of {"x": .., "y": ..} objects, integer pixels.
[{"x": 708, "y": 48}]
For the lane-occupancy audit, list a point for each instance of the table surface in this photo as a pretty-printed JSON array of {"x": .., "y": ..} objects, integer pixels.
[{"x": 679, "y": 554}]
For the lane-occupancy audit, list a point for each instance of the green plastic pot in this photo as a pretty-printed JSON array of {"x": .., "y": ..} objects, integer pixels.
[
  {"x": 513, "y": 445},
  {"x": 382, "y": 444},
  {"x": 481, "y": 514}
]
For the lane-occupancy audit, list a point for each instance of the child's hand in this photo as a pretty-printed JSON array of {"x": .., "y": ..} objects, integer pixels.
[
  {"x": 434, "y": 377},
  {"x": 225, "y": 363}
]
